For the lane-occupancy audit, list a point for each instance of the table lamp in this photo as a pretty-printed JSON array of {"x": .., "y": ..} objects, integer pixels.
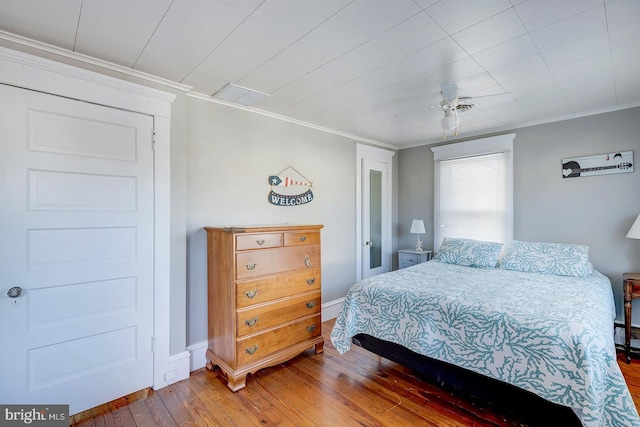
[
  {"x": 417, "y": 227},
  {"x": 634, "y": 232}
]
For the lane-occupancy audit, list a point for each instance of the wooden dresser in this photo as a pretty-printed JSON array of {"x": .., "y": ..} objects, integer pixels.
[{"x": 264, "y": 297}]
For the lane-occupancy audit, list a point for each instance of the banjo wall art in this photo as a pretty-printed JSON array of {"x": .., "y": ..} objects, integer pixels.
[
  {"x": 286, "y": 191},
  {"x": 599, "y": 164}
]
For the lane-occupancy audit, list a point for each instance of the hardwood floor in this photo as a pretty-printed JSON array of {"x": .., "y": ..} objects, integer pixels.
[{"x": 354, "y": 389}]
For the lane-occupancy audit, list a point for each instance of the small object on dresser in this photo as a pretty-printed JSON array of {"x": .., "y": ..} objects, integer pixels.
[
  {"x": 409, "y": 257},
  {"x": 631, "y": 288}
]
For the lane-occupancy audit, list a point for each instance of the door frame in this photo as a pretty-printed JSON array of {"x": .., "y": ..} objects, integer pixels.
[
  {"x": 31, "y": 72},
  {"x": 385, "y": 156}
]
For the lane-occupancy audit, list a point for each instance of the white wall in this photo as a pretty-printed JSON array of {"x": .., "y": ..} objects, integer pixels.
[
  {"x": 415, "y": 196},
  {"x": 178, "y": 312},
  {"x": 230, "y": 154},
  {"x": 596, "y": 211}
]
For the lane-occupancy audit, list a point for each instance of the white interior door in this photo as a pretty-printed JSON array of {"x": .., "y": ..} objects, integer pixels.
[
  {"x": 76, "y": 236},
  {"x": 375, "y": 218}
]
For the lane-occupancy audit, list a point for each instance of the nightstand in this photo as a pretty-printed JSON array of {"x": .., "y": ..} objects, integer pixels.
[
  {"x": 409, "y": 257},
  {"x": 631, "y": 288}
]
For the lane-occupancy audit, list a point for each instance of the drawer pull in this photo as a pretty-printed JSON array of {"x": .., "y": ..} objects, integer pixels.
[
  {"x": 311, "y": 328},
  {"x": 311, "y": 281},
  {"x": 303, "y": 238},
  {"x": 251, "y": 350},
  {"x": 252, "y": 293},
  {"x": 250, "y": 266},
  {"x": 307, "y": 261},
  {"x": 311, "y": 304},
  {"x": 260, "y": 242},
  {"x": 251, "y": 322}
]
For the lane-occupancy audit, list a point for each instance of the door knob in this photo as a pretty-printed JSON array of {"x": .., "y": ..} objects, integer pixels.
[{"x": 14, "y": 292}]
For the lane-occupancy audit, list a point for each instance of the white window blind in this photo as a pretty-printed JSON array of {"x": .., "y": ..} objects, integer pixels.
[{"x": 473, "y": 193}]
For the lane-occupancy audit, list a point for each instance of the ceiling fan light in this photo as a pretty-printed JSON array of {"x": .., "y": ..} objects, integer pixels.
[{"x": 450, "y": 120}]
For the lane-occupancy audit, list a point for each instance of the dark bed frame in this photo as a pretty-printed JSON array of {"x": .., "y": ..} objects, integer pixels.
[{"x": 506, "y": 398}]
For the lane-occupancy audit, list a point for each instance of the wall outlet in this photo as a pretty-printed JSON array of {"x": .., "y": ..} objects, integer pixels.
[{"x": 168, "y": 376}]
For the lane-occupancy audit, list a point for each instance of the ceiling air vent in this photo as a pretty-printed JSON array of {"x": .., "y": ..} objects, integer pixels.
[{"x": 238, "y": 94}]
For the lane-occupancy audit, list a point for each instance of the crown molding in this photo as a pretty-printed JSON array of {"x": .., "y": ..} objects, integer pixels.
[
  {"x": 45, "y": 48},
  {"x": 291, "y": 120}
]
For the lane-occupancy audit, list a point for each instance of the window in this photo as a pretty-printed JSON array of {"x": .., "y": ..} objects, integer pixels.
[{"x": 473, "y": 190}]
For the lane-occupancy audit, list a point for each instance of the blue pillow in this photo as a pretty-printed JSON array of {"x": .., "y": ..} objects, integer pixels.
[
  {"x": 560, "y": 259},
  {"x": 469, "y": 252}
]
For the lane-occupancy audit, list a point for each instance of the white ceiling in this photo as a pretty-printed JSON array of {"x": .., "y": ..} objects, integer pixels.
[{"x": 368, "y": 68}]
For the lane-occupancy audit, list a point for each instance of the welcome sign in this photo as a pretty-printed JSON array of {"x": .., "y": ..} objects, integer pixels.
[
  {"x": 279, "y": 199},
  {"x": 290, "y": 200}
]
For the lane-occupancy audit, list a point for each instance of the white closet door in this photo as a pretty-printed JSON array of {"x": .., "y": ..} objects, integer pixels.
[{"x": 76, "y": 236}]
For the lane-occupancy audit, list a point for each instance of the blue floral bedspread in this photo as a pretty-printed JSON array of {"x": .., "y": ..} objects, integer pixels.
[{"x": 551, "y": 335}]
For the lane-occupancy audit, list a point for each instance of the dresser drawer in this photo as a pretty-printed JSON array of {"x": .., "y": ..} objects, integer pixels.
[
  {"x": 258, "y": 241},
  {"x": 277, "y": 260},
  {"x": 268, "y": 315},
  {"x": 262, "y": 290},
  {"x": 301, "y": 238},
  {"x": 407, "y": 258},
  {"x": 255, "y": 347}
]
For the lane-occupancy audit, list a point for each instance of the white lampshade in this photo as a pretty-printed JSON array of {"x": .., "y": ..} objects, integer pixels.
[
  {"x": 417, "y": 226},
  {"x": 634, "y": 232}
]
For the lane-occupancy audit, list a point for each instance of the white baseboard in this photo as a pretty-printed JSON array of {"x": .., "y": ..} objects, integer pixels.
[
  {"x": 197, "y": 352},
  {"x": 330, "y": 310},
  {"x": 179, "y": 368},
  {"x": 619, "y": 335}
]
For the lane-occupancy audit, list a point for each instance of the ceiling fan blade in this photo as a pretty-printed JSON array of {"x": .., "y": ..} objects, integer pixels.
[
  {"x": 462, "y": 104},
  {"x": 499, "y": 97},
  {"x": 418, "y": 111},
  {"x": 449, "y": 91}
]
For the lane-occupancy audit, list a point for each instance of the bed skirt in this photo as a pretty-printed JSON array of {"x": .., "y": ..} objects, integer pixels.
[{"x": 506, "y": 398}]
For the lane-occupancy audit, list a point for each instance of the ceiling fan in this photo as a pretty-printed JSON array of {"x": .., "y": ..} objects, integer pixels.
[{"x": 452, "y": 104}]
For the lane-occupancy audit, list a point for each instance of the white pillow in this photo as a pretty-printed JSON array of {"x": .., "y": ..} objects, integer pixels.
[
  {"x": 560, "y": 259},
  {"x": 469, "y": 252}
]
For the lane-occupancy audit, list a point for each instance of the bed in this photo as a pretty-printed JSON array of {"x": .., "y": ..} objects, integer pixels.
[{"x": 535, "y": 316}]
